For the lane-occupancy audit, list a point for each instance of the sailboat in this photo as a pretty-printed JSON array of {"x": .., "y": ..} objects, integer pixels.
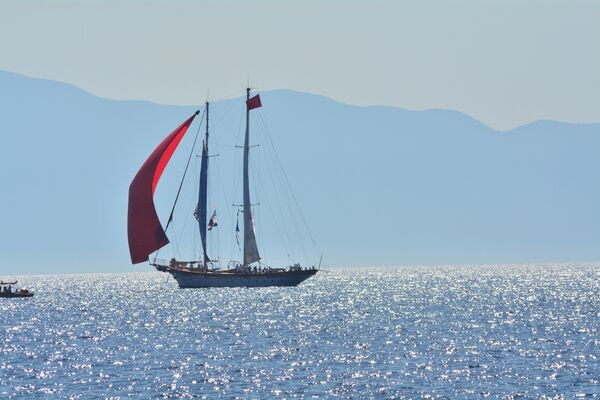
[{"x": 146, "y": 234}]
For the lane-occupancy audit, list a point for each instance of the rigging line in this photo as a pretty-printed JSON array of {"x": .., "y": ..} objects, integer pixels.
[
  {"x": 235, "y": 182},
  {"x": 184, "y": 172},
  {"x": 212, "y": 202},
  {"x": 233, "y": 96},
  {"x": 196, "y": 247},
  {"x": 220, "y": 119},
  {"x": 190, "y": 211},
  {"x": 283, "y": 234},
  {"x": 175, "y": 246},
  {"x": 288, "y": 194},
  {"x": 257, "y": 185},
  {"x": 277, "y": 212},
  {"x": 221, "y": 198},
  {"x": 279, "y": 186},
  {"x": 288, "y": 183},
  {"x": 285, "y": 237},
  {"x": 271, "y": 167}
]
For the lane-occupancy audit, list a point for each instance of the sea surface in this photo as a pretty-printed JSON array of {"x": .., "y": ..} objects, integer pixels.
[{"x": 456, "y": 332}]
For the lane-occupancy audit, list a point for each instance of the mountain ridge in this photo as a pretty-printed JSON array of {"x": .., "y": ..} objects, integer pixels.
[
  {"x": 379, "y": 185},
  {"x": 314, "y": 95}
]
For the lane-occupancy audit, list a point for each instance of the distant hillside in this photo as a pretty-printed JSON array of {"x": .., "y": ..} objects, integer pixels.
[{"x": 377, "y": 185}]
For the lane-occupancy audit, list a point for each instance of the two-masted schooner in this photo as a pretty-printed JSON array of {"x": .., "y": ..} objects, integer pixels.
[{"x": 146, "y": 234}]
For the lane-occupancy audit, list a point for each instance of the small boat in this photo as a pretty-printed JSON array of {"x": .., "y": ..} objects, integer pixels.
[
  {"x": 146, "y": 234},
  {"x": 6, "y": 290}
]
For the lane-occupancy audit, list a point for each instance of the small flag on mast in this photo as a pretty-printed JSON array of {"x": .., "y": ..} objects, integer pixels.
[
  {"x": 254, "y": 102},
  {"x": 213, "y": 221}
]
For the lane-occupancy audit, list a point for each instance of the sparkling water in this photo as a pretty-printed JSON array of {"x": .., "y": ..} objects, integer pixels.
[{"x": 526, "y": 331}]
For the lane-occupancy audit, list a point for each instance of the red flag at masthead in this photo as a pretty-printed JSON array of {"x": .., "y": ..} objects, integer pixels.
[{"x": 254, "y": 102}]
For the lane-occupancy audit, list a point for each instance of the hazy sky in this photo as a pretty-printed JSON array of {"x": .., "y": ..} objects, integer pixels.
[{"x": 503, "y": 62}]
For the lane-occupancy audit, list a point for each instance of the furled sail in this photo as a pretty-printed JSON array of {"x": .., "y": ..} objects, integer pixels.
[
  {"x": 250, "y": 249},
  {"x": 203, "y": 193},
  {"x": 144, "y": 230}
]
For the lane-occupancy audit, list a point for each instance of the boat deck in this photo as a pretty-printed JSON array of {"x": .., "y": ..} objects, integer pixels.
[{"x": 188, "y": 277}]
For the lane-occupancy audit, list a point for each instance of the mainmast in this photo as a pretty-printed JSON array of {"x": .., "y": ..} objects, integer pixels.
[
  {"x": 201, "y": 208},
  {"x": 250, "y": 249}
]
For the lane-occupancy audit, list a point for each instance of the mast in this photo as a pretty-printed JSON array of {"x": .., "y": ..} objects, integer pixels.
[
  {"x": 250, "y": 249},
  {"x": 201, "y": 208}
]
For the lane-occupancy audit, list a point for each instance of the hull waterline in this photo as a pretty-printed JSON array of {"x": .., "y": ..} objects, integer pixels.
[{"x": 15, "y": 295}]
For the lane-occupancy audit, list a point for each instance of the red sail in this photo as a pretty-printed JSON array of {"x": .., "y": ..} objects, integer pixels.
[{"x": 144, "y": 230}]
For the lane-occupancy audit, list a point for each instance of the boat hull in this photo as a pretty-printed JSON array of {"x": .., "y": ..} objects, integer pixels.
[
  {"x": 196, "y": 279},
  {"x": 13, "y": 295}
]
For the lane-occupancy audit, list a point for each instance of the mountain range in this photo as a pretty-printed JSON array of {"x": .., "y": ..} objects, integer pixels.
[{"x": 377, "y": 185}]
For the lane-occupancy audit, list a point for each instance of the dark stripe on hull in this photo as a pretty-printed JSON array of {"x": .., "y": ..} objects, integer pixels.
[
  {"x": 13, "y": 295},
  {"x": 189, "y": 279}
]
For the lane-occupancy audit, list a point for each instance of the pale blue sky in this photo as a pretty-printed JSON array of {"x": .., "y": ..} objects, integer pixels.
[{"x": 505, "y": 63}]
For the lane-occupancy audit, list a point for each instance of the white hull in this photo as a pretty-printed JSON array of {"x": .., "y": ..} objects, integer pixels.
[{"x": 197, "y": 279}]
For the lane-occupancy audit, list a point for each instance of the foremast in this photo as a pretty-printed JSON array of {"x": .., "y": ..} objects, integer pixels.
[
  {"x": 201, "y": 208},
  {"x": 250, "y": 249}
]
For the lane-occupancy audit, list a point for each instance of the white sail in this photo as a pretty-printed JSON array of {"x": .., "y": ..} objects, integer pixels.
[{"x": 250, "y": 249}]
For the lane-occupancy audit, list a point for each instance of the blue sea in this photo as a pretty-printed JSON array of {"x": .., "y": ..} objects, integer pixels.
[{"x": 452, "y": 332}]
